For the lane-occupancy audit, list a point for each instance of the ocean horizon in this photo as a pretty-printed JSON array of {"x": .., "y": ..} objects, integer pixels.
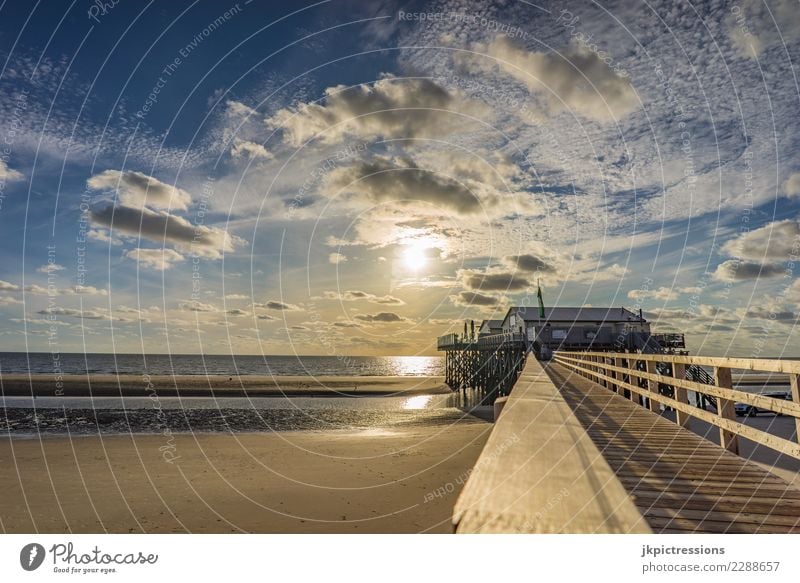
[{"x": 77, "y": 363}]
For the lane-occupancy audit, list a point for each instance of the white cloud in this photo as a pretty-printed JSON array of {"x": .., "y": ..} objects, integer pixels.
[
  {"x": 50, "y": 268},
  {"x": 240, "y": 109},
  {"x": 577, "y": 80},
  {"x": 358, "y": 295},
  {"x": 791, "y": 188},
  {"x": 95, "y": 314},
  {"x": 7, "y": 286},
  {"x": 103, "y": 235},
  {"x": 251, "y": 150},
  {"x": 37, "y": 289},
  {"x": 137, "y": 190},
  {"x": 390, "y": 108},
  {"x": 662, "y": 293},
  {"x": 774, "y": 241},
  {"x": 157, "y": 259},
  {"x": 337, "y": 258},
  {"x": 7, "y": 174}
]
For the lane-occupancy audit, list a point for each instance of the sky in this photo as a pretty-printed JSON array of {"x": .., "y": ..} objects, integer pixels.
[{"x": 356, "y": 178}]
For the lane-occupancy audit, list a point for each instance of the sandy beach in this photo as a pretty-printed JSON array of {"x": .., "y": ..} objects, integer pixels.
[
  {"x": 373, "y": 480},
  {"x": 106, "y": 385}
]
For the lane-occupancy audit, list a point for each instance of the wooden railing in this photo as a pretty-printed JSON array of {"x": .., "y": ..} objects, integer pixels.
[
  {"x": 637, "y": 377},
  {"x": 454, "y": 341}
]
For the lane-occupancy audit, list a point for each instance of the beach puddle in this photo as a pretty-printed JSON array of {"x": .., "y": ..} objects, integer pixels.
[{"x": 369, "y": 416}]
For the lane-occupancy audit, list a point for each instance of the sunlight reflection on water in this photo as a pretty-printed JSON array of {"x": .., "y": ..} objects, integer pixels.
[{"x": 418, "y": 402}]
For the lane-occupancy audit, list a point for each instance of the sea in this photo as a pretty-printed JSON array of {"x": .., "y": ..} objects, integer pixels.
[{"x": 218, "y": 364}]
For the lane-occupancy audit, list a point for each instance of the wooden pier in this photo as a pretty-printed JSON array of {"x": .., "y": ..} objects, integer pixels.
[
  {"x": 490, "y": 364},
  {"x": 594, "y": 442}
]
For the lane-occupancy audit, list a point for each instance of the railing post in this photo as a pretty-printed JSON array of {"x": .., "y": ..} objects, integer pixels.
[
  {"x": 613, "y": 375},
  {"x": 795, "y": 383},
  {"x": 634, "y": 396},
  {"x": 726, "y": 409},
  {"x": 652, "y": 386},
  {"x": 681, "y": 394},
  {"x": 601, "y": 369}
]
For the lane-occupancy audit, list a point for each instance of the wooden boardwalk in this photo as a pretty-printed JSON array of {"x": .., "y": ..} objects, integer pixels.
[{"x": 679, "y": 481}]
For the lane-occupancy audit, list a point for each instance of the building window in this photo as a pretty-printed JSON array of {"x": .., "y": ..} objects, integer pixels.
[{"x": 559, "y": 334}]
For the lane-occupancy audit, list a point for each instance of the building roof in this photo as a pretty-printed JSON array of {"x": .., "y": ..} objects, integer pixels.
[
  {"x": 492, "y": 323},
  {"x": 585, "y": 314}
]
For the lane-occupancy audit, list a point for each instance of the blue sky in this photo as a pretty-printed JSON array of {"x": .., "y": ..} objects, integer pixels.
[{"x": 352, "y": 177}]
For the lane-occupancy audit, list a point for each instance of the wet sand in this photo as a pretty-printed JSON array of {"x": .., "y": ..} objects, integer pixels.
[
  {"x": 367, "y": 480},
  {"x": 98, "y": 385}
]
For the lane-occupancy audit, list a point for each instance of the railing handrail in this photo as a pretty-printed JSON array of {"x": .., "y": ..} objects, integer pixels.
[
  {"x": 756, "y": 364},
  {"x": 595, "y": 365},
  {"x": 762, "y": 401},
  {"x": 492, "y": 339}
]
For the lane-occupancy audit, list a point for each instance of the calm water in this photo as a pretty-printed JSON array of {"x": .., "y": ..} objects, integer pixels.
[{"x": 187, "y": 364}]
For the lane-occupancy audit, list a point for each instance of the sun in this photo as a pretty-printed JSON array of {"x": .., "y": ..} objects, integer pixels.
[{"x": 415, "y": 256}]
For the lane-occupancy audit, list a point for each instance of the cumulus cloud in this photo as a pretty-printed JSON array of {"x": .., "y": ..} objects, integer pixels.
[
  {"x": 736, "y": 270},
  {"x": 389, "y": 108},
  {"x": 137, "y": 190},
  {"x": 195, "y": 306},
  {"x": 381, "y": 317},
  {"x": 102, "y": 235},
  {"x": 531, "y": 263},
  {"x": 237, "y": 297},
  {"x": 8, "y": 300},
  {"x": 661, "y": 293},
  {"x": 157, "y": 259},
  {"x": 36, "y": 289},
  {"x": 356, "y": 295},
  {"x": 7, "y": 174},
  {"x": 497, "y": 170},
  {"x": 577, "y": 80},
  {"x": 162, "y": 227},
  {"x": 774, "y": 241},
  {"x": 50, "y": 268},
  {"x": 791, "y": 188},
  {"x": 391, "y": 180},
  {"x": 759, "y": 253},
  {"x": 493, "y": 280},
  {"x": 251, "y": 150},
  {"x": 467, "y": 299},
  {"x": 83, "y": 314},
  {"x": 240, "y": 109},
  {"x": 278, "y": 306},
  {"x": 337, "y": 258}
]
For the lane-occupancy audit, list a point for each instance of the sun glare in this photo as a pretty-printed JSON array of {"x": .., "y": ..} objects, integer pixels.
[{"x": 415, "y": 256}]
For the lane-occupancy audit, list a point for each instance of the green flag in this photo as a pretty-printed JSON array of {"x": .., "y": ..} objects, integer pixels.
[{"x": 541, "y": 302}]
